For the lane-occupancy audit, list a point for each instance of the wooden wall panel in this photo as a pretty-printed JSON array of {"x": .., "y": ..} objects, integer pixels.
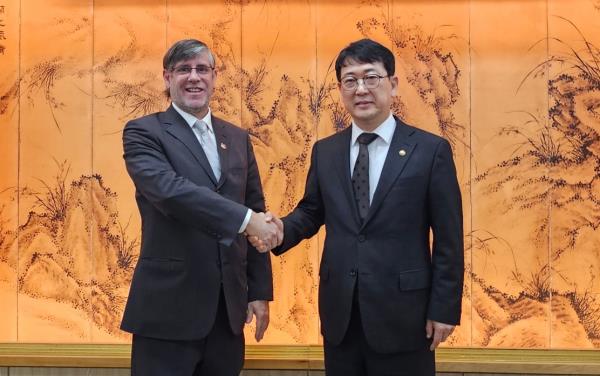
[
  {"x": 510, "y": 216},
  {"x": 129, "y": 42},
  {"x": 278, "y": 83},
  {"x": 573, "y": 180},
  {"x": 9, "y": 175},
  {"x": 432, "y": 52},
  {"x": 55, "y": 263}
]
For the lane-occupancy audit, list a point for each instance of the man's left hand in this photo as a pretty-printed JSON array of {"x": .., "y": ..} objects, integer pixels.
[
  {"x": 260, "y": 309},
  {"x": 439, "y": 331}
]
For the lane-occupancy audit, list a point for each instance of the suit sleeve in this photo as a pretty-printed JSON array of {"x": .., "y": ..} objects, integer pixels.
[
  {"x": 445, "y": 213},
  {"x": 174, "y": 195},
  {"x": 260, "y": 277},
  {"x": 308, "y": 216}
]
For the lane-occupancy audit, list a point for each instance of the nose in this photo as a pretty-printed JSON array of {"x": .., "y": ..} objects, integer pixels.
[
  {"x": 194, "y": 76},
  {"x": 361, "y": 88}
]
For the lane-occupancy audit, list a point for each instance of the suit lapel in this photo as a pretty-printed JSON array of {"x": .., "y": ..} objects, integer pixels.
[
  {"x": 342, "y": 166},
  {"x": 398, "y": 155},
  {"x": 221, "y": 137},
  {"x": 179, "y": 128}
]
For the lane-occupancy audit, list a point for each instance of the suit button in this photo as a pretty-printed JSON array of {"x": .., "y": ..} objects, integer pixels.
[
  {"x": 361, "y": 238},
  {"x": 353, "y": 273}
]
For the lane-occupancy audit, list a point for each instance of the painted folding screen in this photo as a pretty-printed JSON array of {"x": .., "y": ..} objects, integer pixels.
[{"x": 513, "y": 85}]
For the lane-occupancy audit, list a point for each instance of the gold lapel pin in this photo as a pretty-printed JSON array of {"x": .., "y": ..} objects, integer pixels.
[
  {"x": 402, "y": 152},
  {"x": 223, "y": 146}
]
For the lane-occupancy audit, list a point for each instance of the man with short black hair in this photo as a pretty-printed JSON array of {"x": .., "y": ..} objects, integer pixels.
[
  {"x": 198, "y": 191},
  {"x": 387, "y": 298}
]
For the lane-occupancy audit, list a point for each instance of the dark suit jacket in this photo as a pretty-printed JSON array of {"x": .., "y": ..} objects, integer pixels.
[
  {"x": 402, "y": 279},
  {"x": 190, "y": 222}
]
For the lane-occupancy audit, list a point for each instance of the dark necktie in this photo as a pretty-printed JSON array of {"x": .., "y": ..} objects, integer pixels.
[{"x": 360, "y": 175}]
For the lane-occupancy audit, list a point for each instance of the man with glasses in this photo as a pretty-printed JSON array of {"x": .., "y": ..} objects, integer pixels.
[
  {"x": 387, "y": 297},
  {"x": 199, "y": 192}
]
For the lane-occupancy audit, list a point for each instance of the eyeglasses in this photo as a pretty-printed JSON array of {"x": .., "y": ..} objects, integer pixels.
[
  {"x": 370, "y": 81},
  {"x": 185, "y": 70}
]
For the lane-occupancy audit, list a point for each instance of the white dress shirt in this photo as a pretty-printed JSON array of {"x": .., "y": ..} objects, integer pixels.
[{"x": 378, "y": 150}]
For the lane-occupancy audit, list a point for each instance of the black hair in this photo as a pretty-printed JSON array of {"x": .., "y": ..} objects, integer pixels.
[{"x": 366, "y": 51}]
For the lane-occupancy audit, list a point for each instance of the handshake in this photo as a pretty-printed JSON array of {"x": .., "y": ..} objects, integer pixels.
[{"x": 264, "y": 231}]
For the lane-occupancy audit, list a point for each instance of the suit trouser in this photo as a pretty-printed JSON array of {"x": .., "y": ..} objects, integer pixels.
[
  {"x": 354, "y": 357},
  {"x": 221, "y": 353}
]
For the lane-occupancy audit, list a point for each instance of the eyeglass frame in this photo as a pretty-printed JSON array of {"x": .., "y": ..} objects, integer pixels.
[
  {"x": 178, "y": 70},
  {"x": 361, "y": 81}
]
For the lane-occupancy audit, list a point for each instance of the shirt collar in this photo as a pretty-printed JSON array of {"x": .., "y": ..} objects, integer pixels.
[
  {"x": 385, "y": 130},
  {"x": 191, "y": 119}
]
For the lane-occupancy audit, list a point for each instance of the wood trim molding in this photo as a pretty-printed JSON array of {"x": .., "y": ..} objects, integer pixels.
[
  {"x": 64, "y": 355},
  {"x": 551, "y": 362},
  {"x": 548, "y": 362}
]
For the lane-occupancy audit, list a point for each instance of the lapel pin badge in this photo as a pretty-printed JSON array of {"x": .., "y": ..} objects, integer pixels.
[
  {"x": 223, "y": 146},
  {"x": 402, "y": 152}
]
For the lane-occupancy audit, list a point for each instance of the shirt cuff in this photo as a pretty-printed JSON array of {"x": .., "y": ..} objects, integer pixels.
[{"x": 246, "y": 220}]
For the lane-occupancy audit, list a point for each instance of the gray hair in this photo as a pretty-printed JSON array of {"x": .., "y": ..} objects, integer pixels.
[{"x": 186, "y": 49}]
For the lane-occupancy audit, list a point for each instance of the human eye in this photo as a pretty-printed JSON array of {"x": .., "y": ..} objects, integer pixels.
[
  {"x": 202, "y": 69},
  {"x": 371, "y": 79},
  {"x": 349, "y": 82},
  {"x": 184, "y": 69}
]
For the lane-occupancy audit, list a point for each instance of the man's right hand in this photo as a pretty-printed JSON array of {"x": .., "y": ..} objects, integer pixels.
[
  {"x": 263, "y": 232},
  {"x": 279, "y": 223}
]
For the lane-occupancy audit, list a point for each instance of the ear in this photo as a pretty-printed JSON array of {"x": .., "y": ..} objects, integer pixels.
[
  {"x": 394, "y": 83},
  {"x": 167, "y": 77}
]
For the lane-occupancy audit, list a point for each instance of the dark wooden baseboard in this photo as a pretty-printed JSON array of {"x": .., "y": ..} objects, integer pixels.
[{"x": 550, "y": 362}]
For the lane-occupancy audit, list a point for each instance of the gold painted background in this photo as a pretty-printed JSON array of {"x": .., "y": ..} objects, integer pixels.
[{"x": 514, "y": 85}]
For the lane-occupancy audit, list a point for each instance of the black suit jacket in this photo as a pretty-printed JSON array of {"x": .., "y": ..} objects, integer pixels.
[
  {"x": 190, "y": 242},
  {"x": 402, "y": 279}
]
